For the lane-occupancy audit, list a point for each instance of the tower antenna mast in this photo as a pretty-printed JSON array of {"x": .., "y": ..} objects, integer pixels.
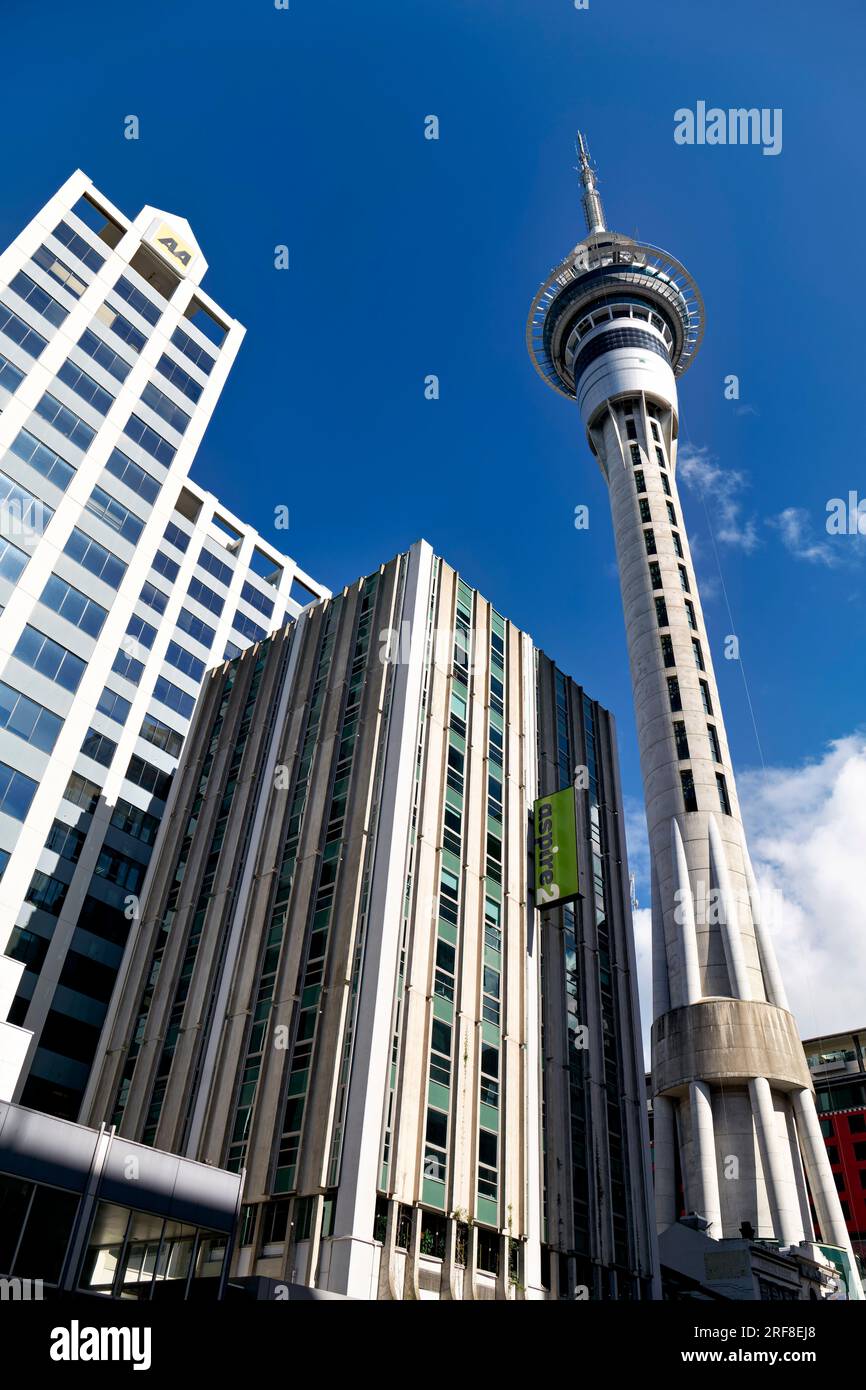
[{"x": 593, "y": 210}]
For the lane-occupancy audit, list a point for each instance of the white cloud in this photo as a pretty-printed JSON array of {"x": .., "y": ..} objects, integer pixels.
[
  {"x": 806, "y": 828},
  {"x": 807, "y": 832},
  {"x": 720, "y": 489},
  {"x": 795, "y": 527}
]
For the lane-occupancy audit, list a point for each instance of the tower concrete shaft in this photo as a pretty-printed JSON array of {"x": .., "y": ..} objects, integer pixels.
[{"x": 613, "y": 327}]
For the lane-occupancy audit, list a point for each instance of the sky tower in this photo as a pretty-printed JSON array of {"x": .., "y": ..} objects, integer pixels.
[{"x": 612, "y": 327}]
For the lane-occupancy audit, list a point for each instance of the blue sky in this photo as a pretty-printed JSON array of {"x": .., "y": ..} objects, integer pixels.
[{"x": 411, "y": 257}]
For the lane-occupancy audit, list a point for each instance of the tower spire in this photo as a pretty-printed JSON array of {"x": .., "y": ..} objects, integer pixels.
[{"x": 592, "y": 205}]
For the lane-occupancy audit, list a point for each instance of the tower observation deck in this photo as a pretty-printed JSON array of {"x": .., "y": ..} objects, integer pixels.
[{"x": 737, "y": 1137}]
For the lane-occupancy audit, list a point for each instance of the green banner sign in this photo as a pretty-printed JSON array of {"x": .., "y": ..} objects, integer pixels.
[{"x": 555, "y": 849}]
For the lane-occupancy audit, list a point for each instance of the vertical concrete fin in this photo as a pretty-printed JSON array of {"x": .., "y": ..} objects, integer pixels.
[
  {"x": 779, "y": 1184},
  {"x": 733, "y": 943},
  {"x": 661, "y": 983},
  {"x": 684, "y": 915},
  {"x": 773, "y": 984},
  {"x": 706, "y": 1169}
]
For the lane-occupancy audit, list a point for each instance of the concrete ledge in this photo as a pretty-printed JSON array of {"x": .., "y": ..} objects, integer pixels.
[{"x": 729, "y": 1040}]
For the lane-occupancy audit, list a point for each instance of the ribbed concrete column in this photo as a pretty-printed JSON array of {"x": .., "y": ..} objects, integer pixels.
[
  {"x": 706, "y": 1172},
  {"x": 731, "y": 937},
  {"x": 685, "y": 913},
  {"x": 663, "y": 1162},
  {"x": 778, "y": 1177},
  {"x": 820, "y": 1175},
  {"x": 772, "y": 974}
]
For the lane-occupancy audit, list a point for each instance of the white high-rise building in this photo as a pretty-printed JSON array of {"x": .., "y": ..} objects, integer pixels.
[
  {"x": 121, "y": 581},
  {"x": 737, "y": 1138}
]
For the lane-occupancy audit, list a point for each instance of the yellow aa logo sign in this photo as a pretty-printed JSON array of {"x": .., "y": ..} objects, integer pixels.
[{"x": 173, "y": 247}]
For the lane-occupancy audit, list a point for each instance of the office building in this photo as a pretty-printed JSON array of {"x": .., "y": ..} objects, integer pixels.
[
  {"x": 837, "y": 1065},
  {"x": 340, "y": 981},
  {"x": 121, "y": 581},
  {"x": 613, "y": 328}
]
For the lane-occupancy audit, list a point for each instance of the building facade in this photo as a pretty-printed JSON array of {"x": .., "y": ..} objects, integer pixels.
[
  {"x": 837, "y": 1065},
  {"x": 120, "y": 582},
  {"x": 87, "y": 1212},
  {"x": 612, "y": 328},
  {"x": 340, "y": 982}
]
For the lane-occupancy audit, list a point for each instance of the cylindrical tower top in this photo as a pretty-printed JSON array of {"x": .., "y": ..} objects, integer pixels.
[{"x": 610, "y": 271}]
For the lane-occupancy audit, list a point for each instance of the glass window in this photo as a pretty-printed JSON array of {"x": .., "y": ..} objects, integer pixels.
[
  {"x": 23, "y": 514},
  {"x": 715, "y": 748},
  {"x": 164, "y": 565},
  {"x": 36, "y": 297},
  {"x": 128, "y": 667},
  {"x": 161, "y": 735},
  {"x": 199, "y": 355},
  {"x": 661, "y": 612},
  {"x": 141, "y": 631},
  {"x": 256, "y": 599},
  {"x": 196, "y": 628},
  {"x": 208, "y": 598},
  {"x": 73, "y": 605},
  {"x": 121, "y": 326},
  {"x": 12, "y": 561},
  {"x": 165, "y": 407},
  {"x": 31, "y": 450},
  {"x": 65, "y": 841},
  {"x": 113, "y": 706},
  {"x": 650, "y": 542},
  {"x": 10, "y": 376},
  {"x": 85, "y": 387},
  {"x": 174, "y": 373},
  {"x": 705, "y": 697},
  {"x": 214, "y": 566},
  {"x": 115, "y": 515},
  {"x": 87, "y": 254},
  {"x": 46, "y": 1235},
  {"x": 176, "y": 537},
  {"x": 667, "y": 650},
  {"x": 21, "y": 333},
  {"x": 137, "y": 300},
  {"x": 66, "y": 422},
  {"x": 724, "y": 800},
  {"x": 59, "y": 271},
  {"x": 150, "y": 441},
  {"x": 247, "y": 628},
  {"x": 108, "y": 359},
  {"x": 681, "y": 738},
  {"x": 133, "y": 821},
  {"x": 133, "y": 477},
  {"x": 22, "y": 716},
  {"x": 83, "y": 793},
  {"x": 95, "y": 558},
  {"x": 674, "y": 696},
  {"x": 149, "y": 777},
  {"x": 690, "y": 798},
  {"x": 173, "y": 697},
  {"x": 16, "y": 792},
  {"x": 46, "y": 893},
  {"x": 98, "y": 747},
  {"x": 41, "y": 654},
  {"x": 153, "y": 597},
  {"x": 190, "y": 665}
]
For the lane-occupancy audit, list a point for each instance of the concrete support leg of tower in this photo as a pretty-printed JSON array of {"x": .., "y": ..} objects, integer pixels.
[
  {"x": 776, "y": 1162},
  {"x": 708, "y": 1202},
  {"x": 664, "y": 1164},
  {"x": 821, "y": 1181}
]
